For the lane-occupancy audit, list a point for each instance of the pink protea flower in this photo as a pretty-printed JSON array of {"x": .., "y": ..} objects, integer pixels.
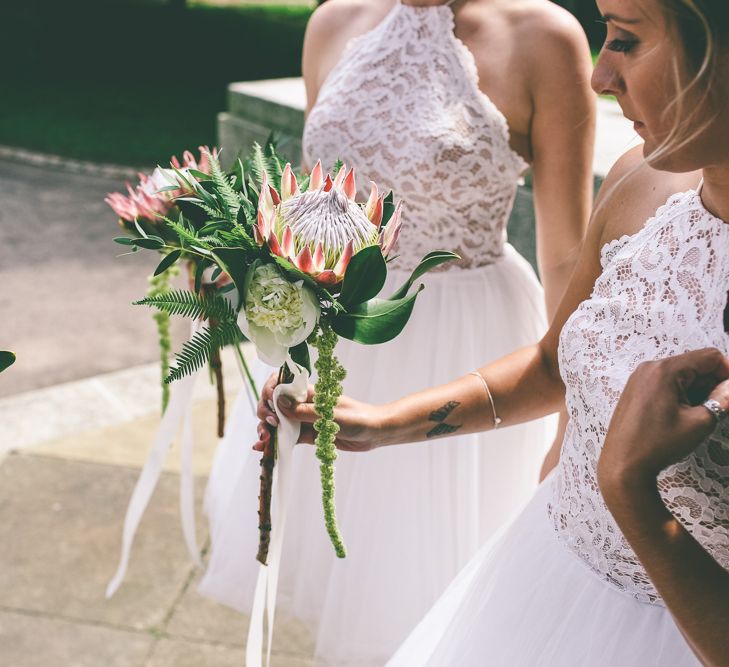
[
  {"x": 146, "y": 201},
  {"x": 189, "y": 161},
  {"x": 320, "y": 230}
]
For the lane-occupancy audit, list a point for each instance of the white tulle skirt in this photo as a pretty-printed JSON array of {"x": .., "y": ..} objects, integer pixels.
[
  {"x": 525, "y": 600},
  {"x": 411, "y": 516}
]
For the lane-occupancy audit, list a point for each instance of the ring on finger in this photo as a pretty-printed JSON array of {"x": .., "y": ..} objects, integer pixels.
[{"x": 715, "y": 409}]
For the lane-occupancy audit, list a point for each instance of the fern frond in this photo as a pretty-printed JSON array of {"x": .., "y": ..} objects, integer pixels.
[
  {"x": 257, "y": 163},
  {"x": 275, "y": 168},
  {"x": 200, "y": 347},
  {"x": 190, "y": 304},
  {"x": 187, "y": 236},
  {"x": 212, "y": 211},
  {"x": 224, "y": 189},
  {"x": 238, "y": 237}
]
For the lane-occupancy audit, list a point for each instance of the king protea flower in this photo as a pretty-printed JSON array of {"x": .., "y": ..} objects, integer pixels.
[
  {"x": 320, "y": 230},
  {"x": 145, "y": 201}
]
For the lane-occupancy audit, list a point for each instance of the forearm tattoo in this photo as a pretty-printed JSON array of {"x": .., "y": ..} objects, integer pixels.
[{"x": 439, "y": 416}]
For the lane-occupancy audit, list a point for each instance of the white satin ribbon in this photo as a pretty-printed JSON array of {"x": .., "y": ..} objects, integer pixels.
[
  {"x": 179, "y": 410},
  {"x": 264, "y": 600}
]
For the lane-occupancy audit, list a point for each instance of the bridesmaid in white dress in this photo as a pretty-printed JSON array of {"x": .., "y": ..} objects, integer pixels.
[
  {"x": 442, "y": 103},
  {"x": 620, "y": 559}
]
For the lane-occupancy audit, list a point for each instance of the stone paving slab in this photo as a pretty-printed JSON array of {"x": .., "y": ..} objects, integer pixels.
[
  {"x": 128, "y": 443},
  {"x": 66, "y": 297},
  {"x": 93, "y": 407},
  {"x": 181, "y": 653},
  {"x": 197, "y": 618},
  {"x": 60, "y": 526},
  {"x": 31, "y": 640}
]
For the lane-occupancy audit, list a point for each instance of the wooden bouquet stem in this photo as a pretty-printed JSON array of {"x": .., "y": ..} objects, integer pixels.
[
  {"x": 217, "y": 367},
  {"x": 268, "y": 461}
]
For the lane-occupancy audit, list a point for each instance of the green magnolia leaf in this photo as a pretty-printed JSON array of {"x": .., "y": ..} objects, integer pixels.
[
  {"x": 216, "y": 274},
  {"x": 7, "y": 359},
  {"x": 123, "y": 240},
  {"x": 142, "y": 233},
  {"x": 199, "y": 270},
  {"x": 201, "y": 175},
  {"x": 430, "y": 261},
  {"x": 213, "y": 226},
  {"x": 376, "y": 321},
  {"x": 388, "y": 208},
  {"x": 149, "y": 243},
  {"x": 167, "y": 262},
  {"x": 234, "y": 263},
  {"x": 190, "y": 185},
  {"x": 365, "y": 276},
  {"x": 237, "y": 174},
  {"x": 300, "y": 355}
]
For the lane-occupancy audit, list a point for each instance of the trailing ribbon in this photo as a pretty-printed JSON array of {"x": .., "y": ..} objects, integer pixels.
[
  {"x": 264, "y": 600},
  {"x": 179, "y": 410}
]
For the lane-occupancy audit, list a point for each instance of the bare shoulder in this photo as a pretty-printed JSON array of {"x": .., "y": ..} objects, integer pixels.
[
  {"x": 633, "y": 191},
  {"x": 334, "y": 15},
  {"x": 329, "y": 29},
  {"x": 557, "y": 64},
  {"x": 550, "y": 30}
]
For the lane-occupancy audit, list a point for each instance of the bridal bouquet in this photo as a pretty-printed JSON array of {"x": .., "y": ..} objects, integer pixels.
[
  {"x": 307, "y": 263},
  {"x": 148, "y": 214}
]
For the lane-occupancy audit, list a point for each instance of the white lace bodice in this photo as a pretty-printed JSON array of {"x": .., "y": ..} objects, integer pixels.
[
  {"x": 662, "y": 292},
  {"x": 404, "y": 107}
]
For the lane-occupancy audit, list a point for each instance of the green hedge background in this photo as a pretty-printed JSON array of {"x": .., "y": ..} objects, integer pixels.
[{"x": 134, "y": 82}]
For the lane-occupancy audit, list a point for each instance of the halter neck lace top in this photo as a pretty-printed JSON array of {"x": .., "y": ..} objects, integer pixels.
[
  {"x": 662, "y": 292},
  {"x": 404, "y": 107}
]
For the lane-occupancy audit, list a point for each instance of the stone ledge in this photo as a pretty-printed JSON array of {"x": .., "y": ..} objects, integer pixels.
[{"x": 25, "y": 156}]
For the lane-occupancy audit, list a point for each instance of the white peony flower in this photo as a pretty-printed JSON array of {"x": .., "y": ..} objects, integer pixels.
[{"x": 277, "y": 314}]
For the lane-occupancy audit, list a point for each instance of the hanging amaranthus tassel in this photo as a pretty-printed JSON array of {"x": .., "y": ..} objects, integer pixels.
[
  {"x": 159, "y": 285},
  {"x": 326, "y": 392}
]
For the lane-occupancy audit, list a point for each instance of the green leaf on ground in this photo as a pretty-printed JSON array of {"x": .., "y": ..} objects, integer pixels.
[{"x": 7, "y": 359}]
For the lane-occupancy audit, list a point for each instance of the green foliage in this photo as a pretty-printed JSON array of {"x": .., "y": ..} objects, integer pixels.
[
  {"x": 111, "y": 106},
  {"x": 159, "y": 285},
  {"x": 376, "y": 321},
  {"x": 167, "y": 262},
  {"x": 198, "y": 350},
  {"x": 365, "y": 276},
  {"x": 327, "y": 391},
  {"x": 430, "y": 261},
  {"x": 300, "y": 356},
  {"x": 7, "y": 359},
  {"x": 226, "y": 196},
  {"x": 192, "y": 305}
]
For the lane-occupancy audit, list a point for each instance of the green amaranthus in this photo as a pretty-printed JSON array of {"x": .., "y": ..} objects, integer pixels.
[
  {"x": 159, "y": 285},
  {"x": 328, "y": 389}
]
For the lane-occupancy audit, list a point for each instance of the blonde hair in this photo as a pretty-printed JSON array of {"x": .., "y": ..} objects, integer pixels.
[{"x": 702, "y": 28}]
